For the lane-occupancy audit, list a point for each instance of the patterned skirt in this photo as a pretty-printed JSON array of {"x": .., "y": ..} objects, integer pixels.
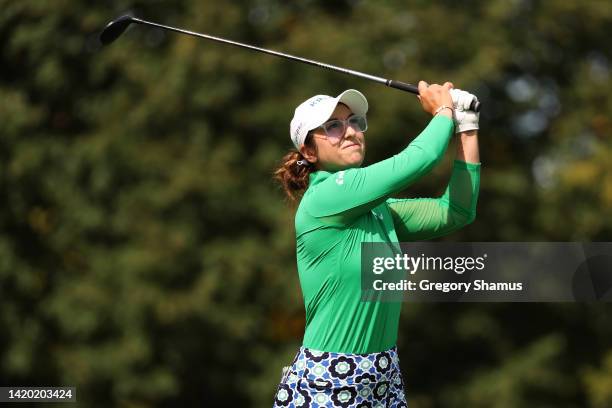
[{"x": 322, "y": 379}]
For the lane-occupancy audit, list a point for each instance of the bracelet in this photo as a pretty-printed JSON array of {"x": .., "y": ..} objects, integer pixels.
[{"x": 444, "y": 107}]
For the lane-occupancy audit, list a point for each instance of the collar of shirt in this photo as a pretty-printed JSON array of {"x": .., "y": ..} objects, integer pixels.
[{"x": 318, "y": 176}]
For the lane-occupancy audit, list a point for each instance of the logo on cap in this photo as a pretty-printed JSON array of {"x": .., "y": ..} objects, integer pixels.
[
  {"x": 315, "y": 101},
  {"x": 297, "y": 130}
]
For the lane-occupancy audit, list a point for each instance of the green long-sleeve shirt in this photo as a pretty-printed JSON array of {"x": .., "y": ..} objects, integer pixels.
[{"x": 341, "y": 210}]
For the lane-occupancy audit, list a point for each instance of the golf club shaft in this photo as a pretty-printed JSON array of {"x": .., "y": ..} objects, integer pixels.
[{"x": 388, "y": 82}]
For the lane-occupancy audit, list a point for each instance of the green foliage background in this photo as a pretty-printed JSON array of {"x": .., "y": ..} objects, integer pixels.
[{"x": 147, "y": 258}]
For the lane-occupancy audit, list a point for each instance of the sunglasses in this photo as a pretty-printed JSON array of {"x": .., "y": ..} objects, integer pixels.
[{"x": 336, "y": 128}]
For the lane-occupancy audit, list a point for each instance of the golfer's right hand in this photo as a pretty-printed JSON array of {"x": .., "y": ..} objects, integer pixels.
[{"x": 434, "y": 96}]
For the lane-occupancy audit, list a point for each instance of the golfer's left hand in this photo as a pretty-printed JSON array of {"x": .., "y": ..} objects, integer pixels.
[{"x": 464, "y": 118}]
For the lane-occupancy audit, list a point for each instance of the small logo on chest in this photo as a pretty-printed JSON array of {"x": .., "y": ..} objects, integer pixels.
[{"x": 340, "y": 178}]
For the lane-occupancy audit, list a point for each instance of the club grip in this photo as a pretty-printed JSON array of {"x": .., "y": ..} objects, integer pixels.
[
  {"x": 402, "y": 86},
  {"x": 475, "y": 105}
]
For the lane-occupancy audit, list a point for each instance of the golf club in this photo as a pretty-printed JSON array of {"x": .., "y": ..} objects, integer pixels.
[{"x": 116, "y": 27}]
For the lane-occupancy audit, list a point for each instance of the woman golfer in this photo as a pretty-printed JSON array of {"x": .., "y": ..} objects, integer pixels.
[{"x": 348, "y": 356}]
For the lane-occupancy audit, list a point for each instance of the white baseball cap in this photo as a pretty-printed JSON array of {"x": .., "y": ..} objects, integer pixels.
[{"x": 315, "y": 111}]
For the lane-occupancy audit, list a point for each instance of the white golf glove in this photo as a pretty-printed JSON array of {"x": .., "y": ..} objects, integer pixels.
[{"x": 465, "y": 119}]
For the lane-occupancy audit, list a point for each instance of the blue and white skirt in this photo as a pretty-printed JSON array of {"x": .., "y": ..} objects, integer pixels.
[{"x": 322, "y": 379}]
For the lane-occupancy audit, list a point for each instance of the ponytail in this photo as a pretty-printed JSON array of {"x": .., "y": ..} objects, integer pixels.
[{"x": 294, "y": 173}]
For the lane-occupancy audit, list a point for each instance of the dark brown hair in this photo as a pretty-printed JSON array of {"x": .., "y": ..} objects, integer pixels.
[{"x": 294, "y": 172}]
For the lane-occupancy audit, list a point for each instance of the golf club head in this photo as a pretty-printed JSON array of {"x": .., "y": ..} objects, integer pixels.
[{"x": 114, "y": 29}]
